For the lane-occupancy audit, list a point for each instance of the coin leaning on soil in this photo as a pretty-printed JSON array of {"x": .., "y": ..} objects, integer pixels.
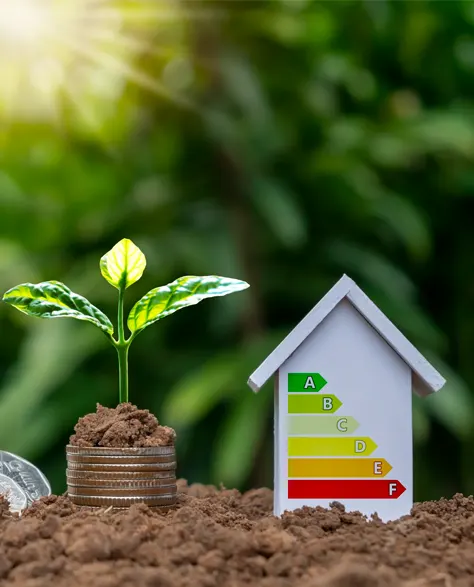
[
  {"x": 29, "y": 478},
  {"x": 13, "y": 493}
]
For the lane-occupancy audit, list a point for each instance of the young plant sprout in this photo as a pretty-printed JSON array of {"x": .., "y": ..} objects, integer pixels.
[{"x": 122, "y": 266}]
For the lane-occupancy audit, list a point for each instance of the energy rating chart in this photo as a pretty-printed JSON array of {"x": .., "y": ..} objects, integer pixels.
[{"x": 326, "y": 460}]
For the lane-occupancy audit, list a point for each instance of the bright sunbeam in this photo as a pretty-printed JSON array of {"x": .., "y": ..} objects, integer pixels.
[
  {"x": 24, "y": 22},
  {"x": 83, "y": 53}
]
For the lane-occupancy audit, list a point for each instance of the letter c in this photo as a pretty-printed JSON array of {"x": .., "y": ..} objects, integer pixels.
[{"x": 340, "y": 425}]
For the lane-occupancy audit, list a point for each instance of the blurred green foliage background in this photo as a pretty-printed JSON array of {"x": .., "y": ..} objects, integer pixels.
[{"x": 280, "y": 142}]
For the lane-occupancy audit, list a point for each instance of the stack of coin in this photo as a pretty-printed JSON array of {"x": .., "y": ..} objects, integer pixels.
[{"x": 120, "y": 477}]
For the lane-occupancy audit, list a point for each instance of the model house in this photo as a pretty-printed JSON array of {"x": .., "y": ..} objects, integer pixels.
[{"x": 344, "y": 379}]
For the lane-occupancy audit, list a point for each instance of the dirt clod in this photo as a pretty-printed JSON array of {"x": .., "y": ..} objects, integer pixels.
[
  {"x": 221, "y": 538},
  {"x": 123, "y": 426}
]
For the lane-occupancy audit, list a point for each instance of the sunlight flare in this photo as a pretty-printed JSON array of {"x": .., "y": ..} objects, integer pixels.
[
  {"x": 25, "y": 22},
  {"x": 52, "y": 52}
]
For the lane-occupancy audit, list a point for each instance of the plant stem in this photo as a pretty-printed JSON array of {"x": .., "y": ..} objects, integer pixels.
[
  {"x": 122, "y": 350},
  {"x": 120, "y": 328}
]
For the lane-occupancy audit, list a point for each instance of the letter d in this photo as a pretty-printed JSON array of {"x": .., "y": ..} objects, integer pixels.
[{"x": 360, "y": 446}]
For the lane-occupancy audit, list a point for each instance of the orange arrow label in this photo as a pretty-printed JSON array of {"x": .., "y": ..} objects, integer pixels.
[{"x": 338, "y": 468}]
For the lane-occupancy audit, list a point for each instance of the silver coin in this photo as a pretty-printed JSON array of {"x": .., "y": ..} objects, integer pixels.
[
  {"x": 13, "y": 493},
  {"x": 30, "y": 479},
  {"x": 106, "y": 451}
]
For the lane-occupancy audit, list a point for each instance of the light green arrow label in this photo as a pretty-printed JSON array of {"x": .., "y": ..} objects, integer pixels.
[
  {"x": 321, "y": 425},
  {"x": 313, "y": 404},
  {"x": 311, "y": 382}
]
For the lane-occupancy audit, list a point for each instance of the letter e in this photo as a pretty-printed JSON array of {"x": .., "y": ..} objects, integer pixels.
[
  {"x": 377, "y": 467},
  {"x": 340, "y": 425},
  {"x": 360, "y": 446},
  {"x": 327, "y": 403},
  {"x": 392, "y": 488},
  {"x": 309, "y": 383}
]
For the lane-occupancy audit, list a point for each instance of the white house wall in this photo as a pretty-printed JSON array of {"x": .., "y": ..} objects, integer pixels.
[{"x": 374, "y": 385}]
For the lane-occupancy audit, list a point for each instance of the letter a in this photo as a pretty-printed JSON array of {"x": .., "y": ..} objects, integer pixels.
[{"x": 309, "y": 383}]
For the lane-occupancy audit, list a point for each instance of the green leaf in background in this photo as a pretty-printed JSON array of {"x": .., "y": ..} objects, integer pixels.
[
  {"x": 47, "y": 362},
  {"x": 371, "y": 266},
  {"x": 53, "y": 299},
  {"x": 185, "y": 291},
  {"x": 280, "y": 210},
  {"x": 453, "y": 406},
  {"x": 240, "y": 437},
  {"x": 123, "y": 265},
  {"x": 407, "y": 223},
  {"x": 222, "y": 376}
]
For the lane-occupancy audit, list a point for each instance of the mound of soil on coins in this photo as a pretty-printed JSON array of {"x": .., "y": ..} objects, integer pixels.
[
  {"x": 221, "y": 538},
  {"x": 124, "y": 426}
]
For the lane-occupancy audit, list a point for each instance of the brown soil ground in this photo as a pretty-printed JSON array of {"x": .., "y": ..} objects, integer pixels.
[
  {"x": 221, "y": 538},
  {"x": 123, "y": 426}
]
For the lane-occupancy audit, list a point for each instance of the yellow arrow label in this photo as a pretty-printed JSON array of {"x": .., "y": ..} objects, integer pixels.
[
  {"x": 342, "y": 446},
  {"x": 338, "y": 468}
]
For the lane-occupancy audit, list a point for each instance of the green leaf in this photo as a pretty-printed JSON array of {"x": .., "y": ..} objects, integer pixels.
[
  {"x": 225, "y": 374},
  {"x": 123, "y": 265},
  {"x": 240, "y": 437},
  {"x": 46, "y": 362},
  {"x": 281, "y": 211},
  {"x": 404, "y": 220},
  {"x": 453, "y": 406},
  {"x": 372, "y": 267},
  {"x": 185, "y": 291},
  {"x": 52, "y": 299}
]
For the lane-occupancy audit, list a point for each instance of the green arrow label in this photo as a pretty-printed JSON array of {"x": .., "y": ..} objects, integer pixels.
[
  {"x": 313, "y": 404},
  {"x": 299, "y": 425},
  {"x": 300, "y": 382}
]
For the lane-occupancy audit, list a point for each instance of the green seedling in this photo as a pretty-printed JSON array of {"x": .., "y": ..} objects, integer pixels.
[{"x": 122, "y": 266}]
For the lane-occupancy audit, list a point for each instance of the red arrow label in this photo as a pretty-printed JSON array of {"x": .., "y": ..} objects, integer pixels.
[{"x": 344, "y": 489}]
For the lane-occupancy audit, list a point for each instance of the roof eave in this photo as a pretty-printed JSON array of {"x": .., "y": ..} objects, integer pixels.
[
  {"x": 299, "y": 334},
  {"x": 426, "y": 380}
]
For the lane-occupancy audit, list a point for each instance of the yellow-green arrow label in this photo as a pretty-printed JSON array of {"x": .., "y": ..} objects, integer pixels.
[
  {"x": 313, "y": 404},
  {"x": 330, "y": 447},
  {"x": 321, "y": 425}
]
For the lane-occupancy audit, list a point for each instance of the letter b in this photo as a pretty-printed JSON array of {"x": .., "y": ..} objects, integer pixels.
[{"x": 327, "y": 403}]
